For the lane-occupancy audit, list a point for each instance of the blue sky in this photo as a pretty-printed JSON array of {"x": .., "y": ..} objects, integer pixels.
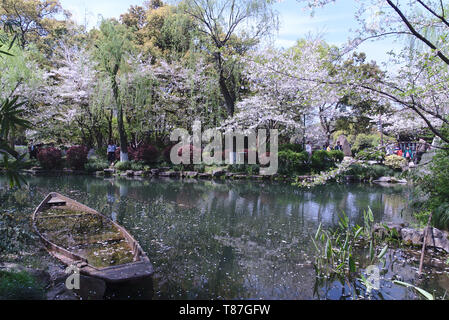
[{"x": 334, "y": 21}]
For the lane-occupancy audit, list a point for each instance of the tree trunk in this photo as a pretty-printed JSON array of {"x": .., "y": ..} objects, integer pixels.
[
  {"x": 229, "y": 99},
  {"x": 121, "y": 127}
]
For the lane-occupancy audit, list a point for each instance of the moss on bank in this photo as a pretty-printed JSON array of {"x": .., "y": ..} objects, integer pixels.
[{"x": 20, "y": 286}]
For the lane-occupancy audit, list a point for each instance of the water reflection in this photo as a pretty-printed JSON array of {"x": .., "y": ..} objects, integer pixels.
[{"x": 229, "y": 240}]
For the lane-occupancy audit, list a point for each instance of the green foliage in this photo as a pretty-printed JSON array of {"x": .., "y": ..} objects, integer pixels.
[
  {"x": 323, "y": 160},
  {"x": 335, "y": 248},
  {"x": 395, "y": 162},
  {"x": 200, "y": 168},
  {"x": 20, "y": 286},
  {"x": 368, "y": 172},
  {"x": 237, "y": 168},
  {"x": 336, "y": 155},
  {"x": 123, "y": 166},
  {"x": 364, "y": 141},
  {"x": 291, "y": 162},
  {"x": 440, "y": 217},
  {"x": 95, "y": 164},
  {"x": 371, "y": 154},
  {"x": 137, "y": 165},
  {"x": 422, "y": 292},
  {"x": 291, "y": 147}
]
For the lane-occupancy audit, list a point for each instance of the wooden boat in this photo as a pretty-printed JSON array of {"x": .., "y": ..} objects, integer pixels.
[{"x": 80, "y": 236}]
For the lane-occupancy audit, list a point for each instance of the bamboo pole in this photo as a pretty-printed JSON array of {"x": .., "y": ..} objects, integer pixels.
[{"x": 426, "y": 232}]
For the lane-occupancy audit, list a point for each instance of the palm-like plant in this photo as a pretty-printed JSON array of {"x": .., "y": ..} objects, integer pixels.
[{"x": 11, "y": 112}]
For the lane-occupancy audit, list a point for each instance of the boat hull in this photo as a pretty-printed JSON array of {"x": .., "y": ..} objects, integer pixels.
[{"x": 140, "y": 268}]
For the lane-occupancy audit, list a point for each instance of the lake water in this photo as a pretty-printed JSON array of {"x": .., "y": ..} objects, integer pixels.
[{"x": 238, "y": 240}]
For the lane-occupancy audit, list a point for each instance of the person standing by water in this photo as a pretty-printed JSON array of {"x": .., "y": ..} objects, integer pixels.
[{"x": 111, "y": 152}]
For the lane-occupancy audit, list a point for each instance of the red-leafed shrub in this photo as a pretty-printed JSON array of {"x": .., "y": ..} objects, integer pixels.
[
  {"x": 50, "y": 158},
  {"x": 146, "y": 153},
  {"x": 77, "y": 157},
  {"x": 131, "y": 153}
]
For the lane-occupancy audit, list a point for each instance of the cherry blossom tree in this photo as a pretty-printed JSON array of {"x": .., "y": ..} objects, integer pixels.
[{"x": 421, "y": 83}]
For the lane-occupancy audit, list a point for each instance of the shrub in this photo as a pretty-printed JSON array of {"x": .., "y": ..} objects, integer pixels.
[
  {"x": 50, "y": 158},
  {"x": 137, "y": 165},
  {"x": 146, "y": 153},
  {"x": 321, "y": 160},
  {"x": 292, "y": 147},
  {"x": 77, "y": 157},
  {"x": 20, "y": 286},
  {"x": 292, "y": 162},
  {"x": 200, "y": 168},
  {"x": 395, "y": 162},
  {"x": 94, "y": 165},
  {"x": 123, "y": 166},
  {"x": 364, "y": 141},
  {"x": 336, "y": 155},
  {"x": 440, "y": 218},
  {"x": 368, "y": 172},
  {"x": 252, "y": 169},
  {"x": 371, "y": 154}
]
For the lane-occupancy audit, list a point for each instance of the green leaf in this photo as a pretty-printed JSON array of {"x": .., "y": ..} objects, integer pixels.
[
  {"x": 423, "y": 292},
  {"x": 318, "y": 232},
  {"x": 351, "y": 263},
  {"x": 383, "y": 252}
]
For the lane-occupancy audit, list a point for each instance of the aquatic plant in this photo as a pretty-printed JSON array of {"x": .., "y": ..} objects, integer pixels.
[
  {"x": 422, "y": 292},
  {"x": 335, "y": 247}
]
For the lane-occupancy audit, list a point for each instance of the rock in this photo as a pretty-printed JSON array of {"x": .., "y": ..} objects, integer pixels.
[
  {"x": 239, "y": 177},
  {"x": 170, "y": 174},
  {"x": 60, "y": 292},
  {"x": 109, "y": 172},
  {"x": 218, "y": 173},
  {"x": 204, "y": 175},
  {"x": 411, "y": 236},
  {"x": 390, "y": 180},
  {"x": 438, "y": 239},
  {"x": 129, "y": 173},
  {"x": 138, "y": 173},
  {"x": 154, "y": 172},
  {"x": 345, "y": 145},
  {"x": 190, "y": 174}
]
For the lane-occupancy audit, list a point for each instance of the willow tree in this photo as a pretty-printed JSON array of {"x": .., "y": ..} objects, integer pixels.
[
  {"x": 233, "y": 27},
  {"x": 113, "y": 46}
]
